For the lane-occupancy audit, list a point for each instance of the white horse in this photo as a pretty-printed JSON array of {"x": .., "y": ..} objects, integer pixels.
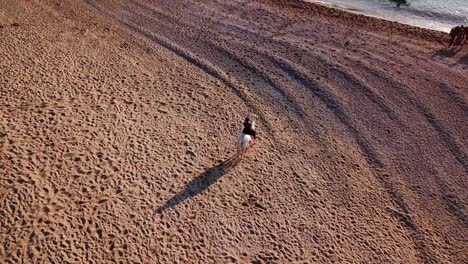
[{"x": 245, "y": 141}]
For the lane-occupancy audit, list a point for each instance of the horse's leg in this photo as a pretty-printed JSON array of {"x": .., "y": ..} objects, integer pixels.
[
  {"x": 240, "y": 149},
  {"x": 246, "y": 146},
  {"x": 242, "y": 152}
]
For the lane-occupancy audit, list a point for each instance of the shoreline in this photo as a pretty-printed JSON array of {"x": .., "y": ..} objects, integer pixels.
[
  {"x": 365, "y": 21},
  {"x": 381, "y": 16}
]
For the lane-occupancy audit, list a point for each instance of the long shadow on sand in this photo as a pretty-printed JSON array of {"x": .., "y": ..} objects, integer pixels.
[
  {"x": 446, "y": 53},
  {"x": 201, "y": 183},
  {"x": 463, "y": 61}
]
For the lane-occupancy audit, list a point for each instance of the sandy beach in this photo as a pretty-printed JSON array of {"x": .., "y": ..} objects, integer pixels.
[{"x": 118, "y": 121}]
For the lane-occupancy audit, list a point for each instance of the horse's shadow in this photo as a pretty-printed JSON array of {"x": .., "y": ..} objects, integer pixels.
[
  {"x": 463, "y": 61},
  {"x": 446, "y": 53},
  {"x": 201, "y": 183},
  {"x": 443, "y": 55}
]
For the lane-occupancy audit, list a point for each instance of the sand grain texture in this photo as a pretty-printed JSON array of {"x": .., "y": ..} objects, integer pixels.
[{"x": 117, "y": 122}]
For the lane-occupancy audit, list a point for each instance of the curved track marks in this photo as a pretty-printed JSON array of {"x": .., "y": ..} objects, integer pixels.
[{"x": 361, "y": 157}]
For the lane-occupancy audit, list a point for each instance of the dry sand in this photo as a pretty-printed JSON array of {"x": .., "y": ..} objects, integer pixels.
[{"x": 118, "y": 118}]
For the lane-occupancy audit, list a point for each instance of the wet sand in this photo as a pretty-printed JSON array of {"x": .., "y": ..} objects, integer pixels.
[{"x": 118, "y": 119}]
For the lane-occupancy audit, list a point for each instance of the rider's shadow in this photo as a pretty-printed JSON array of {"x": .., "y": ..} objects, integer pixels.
[{"x": 201, "y": 183}]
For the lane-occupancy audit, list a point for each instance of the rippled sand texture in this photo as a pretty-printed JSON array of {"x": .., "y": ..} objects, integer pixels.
[{"x": 118, "y": 118}]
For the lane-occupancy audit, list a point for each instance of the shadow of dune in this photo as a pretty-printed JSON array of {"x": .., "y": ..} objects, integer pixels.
[{"x": 200, "y": 183}]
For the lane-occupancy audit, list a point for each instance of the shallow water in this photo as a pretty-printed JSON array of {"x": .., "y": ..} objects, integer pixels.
[{"x": 434, "y": 14}]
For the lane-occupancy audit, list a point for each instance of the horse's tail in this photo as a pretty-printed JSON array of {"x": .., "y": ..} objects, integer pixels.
[{"x": 243, "y": 141}]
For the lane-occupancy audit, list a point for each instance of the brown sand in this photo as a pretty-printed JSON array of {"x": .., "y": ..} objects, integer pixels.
[{"x": 116, "y": 117}]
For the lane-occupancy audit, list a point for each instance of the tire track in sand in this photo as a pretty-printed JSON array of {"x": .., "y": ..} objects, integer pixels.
[
  {"x": 237, "y": 89},
  {"x": 328, "y": 100}
]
